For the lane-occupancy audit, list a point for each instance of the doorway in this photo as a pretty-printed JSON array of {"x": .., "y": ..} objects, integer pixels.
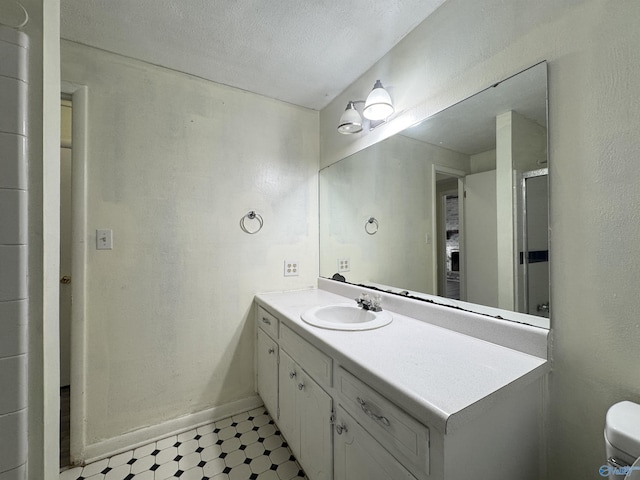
[
  {"x": 448, "y": 225},
  {"x": 448, "y": 241},
  {"x": 65, "y": 276},
  {"x": 73, "y": 252}
]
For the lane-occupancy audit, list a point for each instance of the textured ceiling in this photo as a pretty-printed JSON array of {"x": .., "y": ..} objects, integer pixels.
[{"x": 302, "y": 52}]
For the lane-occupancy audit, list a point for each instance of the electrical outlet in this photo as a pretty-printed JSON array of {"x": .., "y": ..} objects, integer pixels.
[
  {"x": 344, "y": 265},
  {"x": 291, "y": 268}
]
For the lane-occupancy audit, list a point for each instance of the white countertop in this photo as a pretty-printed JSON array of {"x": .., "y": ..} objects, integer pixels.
[{"x": 441, "y": 377}]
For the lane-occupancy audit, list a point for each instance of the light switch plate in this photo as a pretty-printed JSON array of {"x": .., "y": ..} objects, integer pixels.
[{"x": 104, "y": 239}]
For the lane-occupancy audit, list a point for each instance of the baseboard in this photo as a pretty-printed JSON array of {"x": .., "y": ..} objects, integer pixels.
[{"x": 146, "y": 435}]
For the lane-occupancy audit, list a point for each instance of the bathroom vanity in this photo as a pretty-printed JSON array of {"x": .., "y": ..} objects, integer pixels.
[{"x": 436, "y": 394}]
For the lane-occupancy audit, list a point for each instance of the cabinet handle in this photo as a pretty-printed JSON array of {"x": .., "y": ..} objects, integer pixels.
[
  {"x": 341, "y": 428},
  {"x": 271, "y": 351},
  {"x": 300, "y": 386},
  {"x": 266, "y": 320},
  {"x": 365, "y": 409},
  {"x": 292, "y": 374}
]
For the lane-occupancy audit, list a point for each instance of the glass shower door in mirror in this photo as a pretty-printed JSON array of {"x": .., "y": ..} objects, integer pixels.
[{"x": 534, "y": 243}]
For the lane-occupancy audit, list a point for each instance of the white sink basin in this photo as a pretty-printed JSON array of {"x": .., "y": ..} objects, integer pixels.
[{"x": 345, "y": 316}]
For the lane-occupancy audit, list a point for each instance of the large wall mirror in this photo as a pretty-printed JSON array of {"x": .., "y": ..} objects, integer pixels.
[{"x": 453, "y": 209}]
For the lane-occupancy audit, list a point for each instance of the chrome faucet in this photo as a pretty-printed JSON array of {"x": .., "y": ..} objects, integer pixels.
[{"x": 365, "y": 301}]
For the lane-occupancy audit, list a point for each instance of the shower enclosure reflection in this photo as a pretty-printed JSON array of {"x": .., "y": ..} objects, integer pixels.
[
  {"x": 533, "y": 269},
  {"x": 453, "y": 222}
]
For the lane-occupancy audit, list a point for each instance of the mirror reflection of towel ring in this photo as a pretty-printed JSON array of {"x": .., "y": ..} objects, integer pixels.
[
  {"x": 251, "y": 216},
  {"x": 371, "y": 226}
]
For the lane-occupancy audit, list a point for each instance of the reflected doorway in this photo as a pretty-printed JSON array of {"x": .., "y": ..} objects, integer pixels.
[
  {"x": 449, "y": 250},
  {"x": 450, "y": 244}
]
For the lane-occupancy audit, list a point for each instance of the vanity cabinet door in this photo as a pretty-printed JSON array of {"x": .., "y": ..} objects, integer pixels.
[
  {"x": 305, "y": 416},
  {"x": 287, "y": 383},
  {"x": 268, "y": 372},
  {"x": 359, "y": 457},
  {"x": 315, "y": 406}
]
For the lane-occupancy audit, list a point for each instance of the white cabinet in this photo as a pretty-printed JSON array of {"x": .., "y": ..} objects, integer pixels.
[
  {"x": 292, "y": 378},
  {"x": 267, "y": 322},
  {"x": 315, "y": 410},
  {"x": 267, "y": 367},
  {"x": 359, "y": 457},
  {"x": 402, "y": 435},
  {"x": 382, "y": 429},
  {"x": 305, "y": 415},
  {"x": 305, "y": 407},
  {"x": 267, "y": 359},
  {"x": 288, "y": 374}
]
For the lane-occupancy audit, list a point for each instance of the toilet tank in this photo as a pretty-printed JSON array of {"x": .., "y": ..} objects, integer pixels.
[{"x": 622, "y": 435}]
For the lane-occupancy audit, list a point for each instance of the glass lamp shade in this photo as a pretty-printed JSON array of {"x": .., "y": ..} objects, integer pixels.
[
  {"x": 350, "y": 121},
  {"x": 378, "y": 105}
]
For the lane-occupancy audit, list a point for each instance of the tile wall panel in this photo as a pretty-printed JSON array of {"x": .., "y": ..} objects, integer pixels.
[
  {"x": 13, "y": 161},
  {"x": 13, "y": 95},
  {"x": 13, "y": 254},
  {"x": 13, "y": 328},
  {"x": 18, "y": 473},
  {"x": 13, "y": 217},
  {"x": 13, "y": 279},
  {"x": 11, "y": 61},
  {"x": 13, "y": 441},
  {"x": 13, "y": 371}
]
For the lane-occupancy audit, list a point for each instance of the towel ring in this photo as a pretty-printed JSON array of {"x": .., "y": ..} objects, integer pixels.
[
  {"x": 371, "y": 226},
  {"x": 251, "y": 216}
]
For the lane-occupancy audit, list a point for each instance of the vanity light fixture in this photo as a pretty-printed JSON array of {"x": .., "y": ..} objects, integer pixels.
[
  {"x": 350, "y": 121},
  {"x": 377, "y": 107}
]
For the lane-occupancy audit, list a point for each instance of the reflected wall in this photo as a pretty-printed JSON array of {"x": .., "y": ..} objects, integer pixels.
[{"x": 390, "y": 181}]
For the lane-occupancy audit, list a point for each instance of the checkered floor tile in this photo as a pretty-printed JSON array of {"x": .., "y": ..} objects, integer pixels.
[{"x": 243, "y": 447}]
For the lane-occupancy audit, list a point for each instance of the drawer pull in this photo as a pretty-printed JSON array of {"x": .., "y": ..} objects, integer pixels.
[
  {"x": 292, "y": 374},
  {"x": 266, "y": 320},
  {"x": 300, "y": 386},
  {"x": 271, "y": 351},
  {"x": 341, "y": 428},
  {"x": 379, "y": 418}
]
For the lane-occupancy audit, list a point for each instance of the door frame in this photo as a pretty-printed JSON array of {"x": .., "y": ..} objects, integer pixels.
[
  {"x": 79, "y": 244},
  {"x": 523, "y": 288}
]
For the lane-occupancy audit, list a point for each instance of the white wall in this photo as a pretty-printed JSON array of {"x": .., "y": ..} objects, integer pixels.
[
  {"x": 594, "y": 98},
  {"x": 173, "y": 163},
  {"x": 481, "y": 238},
  {"x": 483, "y": 162}
]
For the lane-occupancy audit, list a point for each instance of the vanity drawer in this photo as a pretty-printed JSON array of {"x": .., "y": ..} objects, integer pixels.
[
  {"x": 313, "y": 361},
  {"x": 405, "y": 437},
  {"x": 267, "y": 322}
]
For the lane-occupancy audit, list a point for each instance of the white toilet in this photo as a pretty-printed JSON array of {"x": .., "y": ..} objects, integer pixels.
[{"x": 622, "y": 440}]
